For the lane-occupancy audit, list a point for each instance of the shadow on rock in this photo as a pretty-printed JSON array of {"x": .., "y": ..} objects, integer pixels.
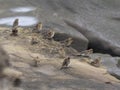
[{"x": 98, "y": 43}]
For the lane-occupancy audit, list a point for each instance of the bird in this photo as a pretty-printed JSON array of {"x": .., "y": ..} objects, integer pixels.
[
  {"x": 67, "y": 42},
  {"x": 65, "y": 63},
  {"x": 85, "y": 53},
  {"x": 96, "y": 62},
  {"x": 15, "y": 23},
  {"x": 37, "y": 28},
  {"x": 15, "y": 28},
  {"x": 50, "y": 34}
]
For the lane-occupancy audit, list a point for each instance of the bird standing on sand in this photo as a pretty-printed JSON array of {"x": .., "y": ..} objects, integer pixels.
[
  {"x": 15, "y": 28},
  {"x": 65, "y": 63}
]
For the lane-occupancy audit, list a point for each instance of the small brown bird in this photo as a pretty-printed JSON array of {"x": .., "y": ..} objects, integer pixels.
[
  {"x": 50, "y": 34},
  {"x": 90, "y": 51},
  {"x": 38, "y": 27},
  {"x": 15, "y": 23},
  {"x": 67, "y": 42},
  {"x": 65, "y": 63},
  {"x": 85, "y": 53},
  {"x": 96, "y": 62},
  {"x": 15, "y": 28},
  {"x": 34, "y": 41}
]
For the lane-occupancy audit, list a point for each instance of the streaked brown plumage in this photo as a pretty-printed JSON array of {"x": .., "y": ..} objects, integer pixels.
[
  {"x": 85, "y": 53},
  {"x": 66, "y": 62},
  {"x": 96, "y": 62},
  {"x": 50, "y": 34},
  {"x": 15, "y": 23},
  {"x": 38, "y": 27},
  {"x": 15, "y": 28},
  {"x": 67, "y": 42}
]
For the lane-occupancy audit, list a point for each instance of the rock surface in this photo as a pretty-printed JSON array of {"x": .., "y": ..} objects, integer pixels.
[
  {"x": 48, "y": 76},
  {"x": 101, "y": 16}
]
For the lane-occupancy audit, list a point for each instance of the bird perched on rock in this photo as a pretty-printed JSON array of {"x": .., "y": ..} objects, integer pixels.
[
  {"x": 65, "y": 63},
  {"x": 15, "y": 23},
  {"x": 67, "y": 42},
  {"x": 15, "y": 28},
  {"x": 85, "y": 53},
  {"x": 49, "y": 34},
  {"x": 38, "y": 27},
  {"x": 96, "y": 62}
]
